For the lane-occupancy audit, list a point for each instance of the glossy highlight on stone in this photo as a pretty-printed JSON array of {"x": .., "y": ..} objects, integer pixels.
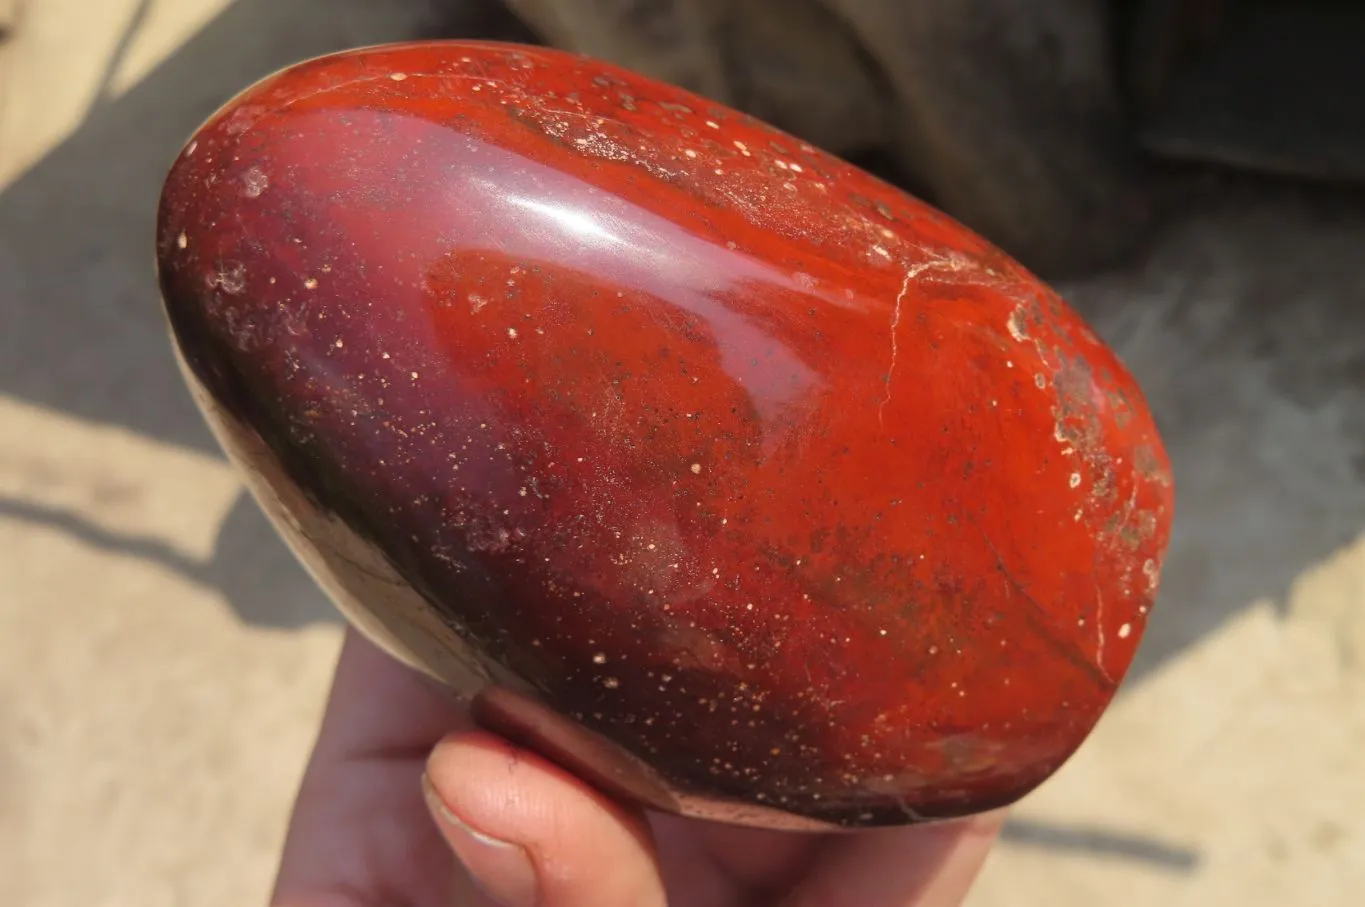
[{"x": 735, "y": 479}]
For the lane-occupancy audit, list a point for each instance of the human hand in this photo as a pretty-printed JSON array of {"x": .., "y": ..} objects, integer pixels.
[{"x": 363, "y": 835}]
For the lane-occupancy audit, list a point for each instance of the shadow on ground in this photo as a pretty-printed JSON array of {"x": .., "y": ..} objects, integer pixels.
[
  {"x": 1246, "y": 327},
  {"x": 81, "y": 330}
]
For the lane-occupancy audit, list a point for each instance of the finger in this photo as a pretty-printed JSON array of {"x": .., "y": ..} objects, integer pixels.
[
  {"x": 721, "y": 865},
  {"x": 359, "y": 834},
  {"x": 919, "y": 866},
  {"x": 364, "y": 720},
  {"x": 531, "y": 834}
]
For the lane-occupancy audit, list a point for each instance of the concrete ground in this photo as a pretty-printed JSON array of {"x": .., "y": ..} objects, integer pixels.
[{"x": 162, "y": 659}]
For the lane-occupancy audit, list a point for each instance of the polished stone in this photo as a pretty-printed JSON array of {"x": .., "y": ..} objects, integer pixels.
[{"x": 631, "y": 414}]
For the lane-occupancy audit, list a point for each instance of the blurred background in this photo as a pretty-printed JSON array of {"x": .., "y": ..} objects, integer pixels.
[{"x": 1186, "y": 172}]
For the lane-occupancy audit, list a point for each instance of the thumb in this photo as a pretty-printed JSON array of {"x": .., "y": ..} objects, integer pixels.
[{"x": 531, "y": 835}]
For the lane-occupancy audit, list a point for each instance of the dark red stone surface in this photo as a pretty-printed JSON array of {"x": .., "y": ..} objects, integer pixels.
[{"x": 765, "y": 472}]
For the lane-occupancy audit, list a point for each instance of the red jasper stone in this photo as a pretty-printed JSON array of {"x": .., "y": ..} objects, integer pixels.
[{"x": 734, "y": 478}]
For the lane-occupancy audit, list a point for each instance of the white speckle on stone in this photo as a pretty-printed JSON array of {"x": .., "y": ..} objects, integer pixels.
[
  {"x": 713, "y": 124},
  {"x": 696, "y": 469},
  {"x": 476, "y": 302},
  {"x": 182, "y": 241},
  {"x": 1125, "y": 630},
  {"x": 230, "y": 278},
  {"x": 512, "y": 333},
  {"x": 398, "y": 76},
  {"x": 600, "y": 658},
  {"x": 690, "y": 153},
  {"x": 311, "y": 283},
  {"x": 610, "y": 683},
  {"x": 192, "y": 148},
  {"x": 254, "y": 182},
  {"x": 1075, "y": 480},
  {"x": 339, "y": 343}
]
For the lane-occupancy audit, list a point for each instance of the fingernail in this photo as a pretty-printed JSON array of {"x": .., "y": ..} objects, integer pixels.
[{"x": 502, "y": 870}]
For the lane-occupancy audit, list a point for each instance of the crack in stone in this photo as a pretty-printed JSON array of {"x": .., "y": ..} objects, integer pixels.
[
  {"x": 1099, "y": 632},
  {"x": 910, "y": 274},
  {"x": 1040, "y": 619},
  {"x": 951, "y": 263}
]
